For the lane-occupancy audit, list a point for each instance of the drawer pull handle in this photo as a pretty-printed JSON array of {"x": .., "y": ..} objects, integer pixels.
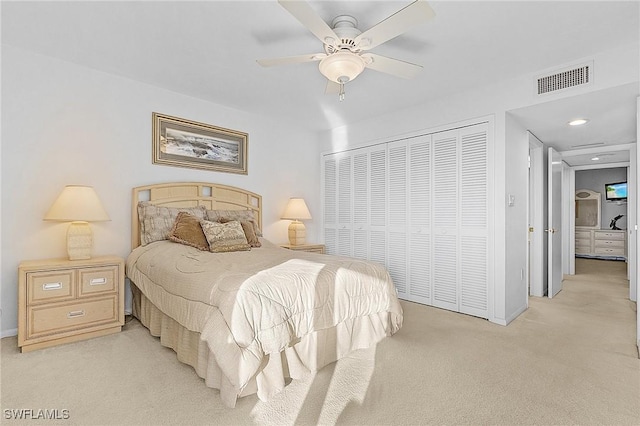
[
  {"x": 98, "y": 281},
  {"x": 52, "y": 286},
  {"x": 75, "y": 314}
]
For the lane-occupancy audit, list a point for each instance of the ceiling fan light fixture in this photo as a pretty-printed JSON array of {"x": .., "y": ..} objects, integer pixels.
[{"x": 342, "y": 67}]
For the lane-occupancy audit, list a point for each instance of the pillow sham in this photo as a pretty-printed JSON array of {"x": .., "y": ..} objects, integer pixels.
[
  {"x": 225, "y": 237},
  {"x": 188, "y": 231},
  {"x": 248, "y": 226},
  {"x": 156, "y": 222},
  {"x": 239, "y": 215}
]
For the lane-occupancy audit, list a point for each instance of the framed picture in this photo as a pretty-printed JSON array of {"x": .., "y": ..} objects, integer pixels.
[{"x": 185, "y": 143}]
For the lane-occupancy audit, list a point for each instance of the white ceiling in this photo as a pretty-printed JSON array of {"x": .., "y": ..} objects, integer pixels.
[{"x": 208, "y": 50}]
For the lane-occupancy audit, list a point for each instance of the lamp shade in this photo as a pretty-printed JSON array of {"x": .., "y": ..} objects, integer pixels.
[
  {"x": 296, "y": 210},
  {"x": 77, "y": 203},
  {"x": 341, "y": 67}
]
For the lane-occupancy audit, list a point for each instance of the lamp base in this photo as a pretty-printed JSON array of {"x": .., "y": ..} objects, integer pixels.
[
  {"x": 79, "y": 241},
  {"x": 297, "y": 233}
]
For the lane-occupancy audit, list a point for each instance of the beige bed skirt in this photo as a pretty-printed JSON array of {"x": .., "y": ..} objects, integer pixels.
[{"x": 310, "y": 354}]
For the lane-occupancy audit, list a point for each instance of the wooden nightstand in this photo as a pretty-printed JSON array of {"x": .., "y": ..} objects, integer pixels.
[
  {"x": 62, "y": 301},
  {"x": 311, "y": 248}
]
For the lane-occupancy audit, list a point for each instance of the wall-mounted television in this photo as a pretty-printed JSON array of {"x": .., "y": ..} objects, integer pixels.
[{"x": 616, "y": 191}]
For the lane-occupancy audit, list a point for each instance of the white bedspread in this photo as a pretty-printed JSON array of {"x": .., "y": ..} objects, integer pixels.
[{"x": 250, "y": 304}]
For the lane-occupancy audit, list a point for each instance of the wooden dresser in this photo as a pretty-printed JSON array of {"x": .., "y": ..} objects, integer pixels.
[
  {"x": 61, "y": 300},
  {"x": 601, "y": 242}
]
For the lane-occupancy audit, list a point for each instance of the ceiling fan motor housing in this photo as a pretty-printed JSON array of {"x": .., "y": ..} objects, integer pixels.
[{"x": 345, "y": 27}]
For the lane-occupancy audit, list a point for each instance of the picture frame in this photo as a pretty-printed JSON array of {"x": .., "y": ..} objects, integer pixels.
[{"x": 185, "y": 143}]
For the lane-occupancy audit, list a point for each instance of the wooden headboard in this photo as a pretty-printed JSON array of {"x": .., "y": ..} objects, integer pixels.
[{"x": 190, "y": 194}]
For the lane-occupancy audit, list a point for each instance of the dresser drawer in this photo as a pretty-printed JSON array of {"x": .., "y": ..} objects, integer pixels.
[
  {"x": 610, "y": 243},
  {"x": 62, "y": 317},
  {"x": 583, "y": 234},
  {"x": 98, "y": 280},
  {"x": 610, "y": 251},
  {"x": 50, "y": 286},
  {"x": 609, "y": 236}
]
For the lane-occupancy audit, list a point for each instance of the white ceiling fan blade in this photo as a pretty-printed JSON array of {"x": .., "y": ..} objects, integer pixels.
[
  {"x": 291, "y": 60},
  {"x": 416, "y": 13},
  {"x": 304, "y": 13},
  {"x": 332, "y": 88},
  {"x": 391, "y": 66}
]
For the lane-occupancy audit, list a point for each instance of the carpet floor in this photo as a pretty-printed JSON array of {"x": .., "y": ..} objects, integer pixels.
[{"x": 570, "y": 360}]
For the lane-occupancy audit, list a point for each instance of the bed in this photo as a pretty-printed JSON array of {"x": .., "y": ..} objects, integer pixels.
[{"x": 248, "y": 321}]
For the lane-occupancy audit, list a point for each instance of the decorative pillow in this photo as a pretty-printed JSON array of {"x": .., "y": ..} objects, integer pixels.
[
  {"x": 223, "y": 237},
  {"x": 187, "y": 230},
  {"x": 248, "y": 226},
  {"x": 239, "y": 215},
  {"x": 156, "y": 222}
]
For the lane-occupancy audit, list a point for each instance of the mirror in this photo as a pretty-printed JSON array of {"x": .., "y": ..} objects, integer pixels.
[{"x": 587, "y": 209}]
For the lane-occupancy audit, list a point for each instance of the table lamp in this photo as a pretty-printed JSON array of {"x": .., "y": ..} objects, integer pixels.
[
  {"x": 296, "y": 211},
  {"x": 79, "y": 205}
]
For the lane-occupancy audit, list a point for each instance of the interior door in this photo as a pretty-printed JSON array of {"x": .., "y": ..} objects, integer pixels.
[{"x": 555, "y": 223}]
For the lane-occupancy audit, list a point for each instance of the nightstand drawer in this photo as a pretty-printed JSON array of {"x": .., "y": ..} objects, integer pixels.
[
  {"x": 62, "y": 317},
  {"x": 97, "y": 280},
  {"x": 50, "y": 286}
]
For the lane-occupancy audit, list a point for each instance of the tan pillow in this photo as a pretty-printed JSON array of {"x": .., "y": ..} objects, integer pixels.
[
  {"x": 156, "y": 222},
  {"x": 223, "y": 237},
  {"x": 249, "y": 231},
  {"x": 187, "y": 230},
  {"x": 239, "y": 215}
]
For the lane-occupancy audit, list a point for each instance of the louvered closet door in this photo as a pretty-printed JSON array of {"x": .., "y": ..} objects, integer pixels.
[
  {"x": 345, "y": 196},
  {"x": 361, "y": 204},
  {"x": 445, "y": 220},
  {"x": 397, "y": 221},
  {"x": 378, "y": 204},
  {"x": 330, "y": 194},
  {"x": 474, "y": 226},
  {"x": 419, "y": 208}
]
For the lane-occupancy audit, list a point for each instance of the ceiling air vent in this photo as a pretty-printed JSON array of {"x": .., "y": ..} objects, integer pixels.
[{"x": 564, "y": 79}]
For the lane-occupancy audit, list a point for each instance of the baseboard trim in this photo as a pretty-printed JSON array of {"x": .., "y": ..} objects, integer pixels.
[
  {"x": 516, "y": 314},
  {"x": 9, "y": 333}
]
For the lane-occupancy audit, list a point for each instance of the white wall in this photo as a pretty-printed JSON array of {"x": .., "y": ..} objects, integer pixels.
[
  {"x": 507, "y": 295},
  {"x": 66, "y": 124},
  {"x": 516, "y": 218}
]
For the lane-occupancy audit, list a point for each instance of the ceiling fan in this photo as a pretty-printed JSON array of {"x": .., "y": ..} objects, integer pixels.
[{"x": 346, "y": 47}]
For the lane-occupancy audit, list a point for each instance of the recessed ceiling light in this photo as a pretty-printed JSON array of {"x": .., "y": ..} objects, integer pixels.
[
  {"x": 595, "y": 158},
  {"x": 578, "y": 122}
]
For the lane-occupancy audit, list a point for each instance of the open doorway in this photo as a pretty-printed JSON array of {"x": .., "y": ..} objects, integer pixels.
[{"x": 601, "y": 218}]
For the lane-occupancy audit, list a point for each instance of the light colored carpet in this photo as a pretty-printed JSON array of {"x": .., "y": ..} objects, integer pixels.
[{"x": 569, "y": 360}]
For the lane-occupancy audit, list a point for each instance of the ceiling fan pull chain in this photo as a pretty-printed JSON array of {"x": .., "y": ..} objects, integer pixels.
[{"x": 341, "y": 95}]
